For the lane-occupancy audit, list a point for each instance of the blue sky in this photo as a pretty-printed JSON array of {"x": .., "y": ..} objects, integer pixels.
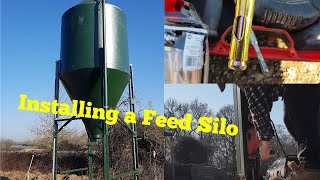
[{"x": 30, "y": 44}]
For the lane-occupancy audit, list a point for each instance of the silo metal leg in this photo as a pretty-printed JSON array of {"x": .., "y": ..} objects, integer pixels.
[
  {"x": 55, "y": 125},
  {"x": 239, "y": 138},
  {"x": 106, "y": 175},
  {"x": 89, "y": 159},
  {"x": 134, "y": 129},
  {"x": 54, "y": 155}
]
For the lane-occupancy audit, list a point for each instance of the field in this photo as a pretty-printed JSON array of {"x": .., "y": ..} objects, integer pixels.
[
  {"x": 18, "y": 175},
  {"x": 14, "y": 163}
]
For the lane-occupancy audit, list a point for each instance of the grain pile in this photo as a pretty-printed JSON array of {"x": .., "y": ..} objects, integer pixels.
[
  {"x": 280, "y": 72},
  {"x": 300, "y": 72}
]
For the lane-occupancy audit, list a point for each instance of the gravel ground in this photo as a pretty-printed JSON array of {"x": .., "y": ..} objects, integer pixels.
[{"x": 281, "y": 71}]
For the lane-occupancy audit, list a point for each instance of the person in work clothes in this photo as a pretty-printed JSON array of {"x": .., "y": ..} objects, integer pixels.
[{"x": 302, "y": 119}]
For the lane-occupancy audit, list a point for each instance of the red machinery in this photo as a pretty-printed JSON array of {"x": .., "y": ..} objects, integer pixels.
[
  {"x": 273, "y": 53},
  {"x": 173, "y": 5},
  {"x": 222, "y": 47}
]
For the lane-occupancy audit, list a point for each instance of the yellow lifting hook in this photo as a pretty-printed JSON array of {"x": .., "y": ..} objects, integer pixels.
[{"x": 240, "y": 38}]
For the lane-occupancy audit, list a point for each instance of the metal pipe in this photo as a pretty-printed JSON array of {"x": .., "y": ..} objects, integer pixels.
[
  {"x": 64, "y": 125},
  {"x": 30, "y": 167},
  {"x": 67, "y": 119},
  {"x": 89, "y": 159},
  {"x": 55, "y": 125},
  {"x": 254, "y": 42},
  {"x": 106, "y": 175},
  {"x": 239, "y": 138},
  {"x": 133, "y": 126},
  {"x": 129, "y": 128}
]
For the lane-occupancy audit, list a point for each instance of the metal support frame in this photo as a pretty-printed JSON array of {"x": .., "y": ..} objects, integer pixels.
[
  {"x": 104, "y": 94},
  {"x": 57, "y": 130},
  {"x": 134, "y": 128},
  {"x": 131, "y": 128},
  {"x": 271, "y": 53}
]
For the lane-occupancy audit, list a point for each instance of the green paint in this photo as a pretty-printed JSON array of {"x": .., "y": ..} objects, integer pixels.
[{"x": 81, "y": 54}]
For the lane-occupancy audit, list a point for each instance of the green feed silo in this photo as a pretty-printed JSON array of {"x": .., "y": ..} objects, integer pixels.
[{"x": 82, "y": 52}]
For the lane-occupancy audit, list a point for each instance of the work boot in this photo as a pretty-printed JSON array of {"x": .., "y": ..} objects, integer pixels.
[{"x": 299, "y": 172}]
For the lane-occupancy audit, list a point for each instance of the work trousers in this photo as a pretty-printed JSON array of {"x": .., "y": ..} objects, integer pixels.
[{"x": 302, "y": 118}]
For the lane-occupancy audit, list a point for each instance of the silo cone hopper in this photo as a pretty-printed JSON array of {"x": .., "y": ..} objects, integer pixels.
[{"x": 82, "y": 54}]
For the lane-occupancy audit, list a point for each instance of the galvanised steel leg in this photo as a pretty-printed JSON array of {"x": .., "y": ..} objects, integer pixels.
[
  {"x": 55, "y": 151},
  {"x": 106, "y": 174},
  {"x": 134, "y": 128},
  {"x": 55, "y": 125},
  {"x": 239, "y": 139},
  {"x": 89, "y": 159}
]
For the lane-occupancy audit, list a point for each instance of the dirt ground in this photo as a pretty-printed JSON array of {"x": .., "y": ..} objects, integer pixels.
[
  {"x": 280, "y": 71},
  {"x": 18, "y": 175}
]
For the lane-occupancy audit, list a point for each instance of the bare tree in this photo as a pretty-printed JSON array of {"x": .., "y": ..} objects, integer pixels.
[
  {"x": 286, "y": 140},
  {"x": 6, "y": 144},
  {"x": 221, "y": 148},
  {"x": 173, "y": 108},
  {"x": 199, "y": 109},
  {"x": 226, "y": 156},
  {"x": 69, "y": 138}
]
